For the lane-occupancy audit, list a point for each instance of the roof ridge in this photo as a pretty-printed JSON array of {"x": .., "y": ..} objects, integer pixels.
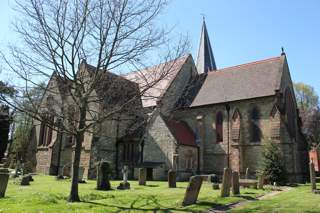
[
  {"x": 183, "y": 57},
  {"x": 247, "y": 64}
]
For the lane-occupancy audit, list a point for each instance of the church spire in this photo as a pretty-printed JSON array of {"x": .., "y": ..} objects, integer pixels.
[{"x": 205, "y": 59}]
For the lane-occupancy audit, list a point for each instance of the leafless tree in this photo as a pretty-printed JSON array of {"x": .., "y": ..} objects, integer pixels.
[{"x": 60, "y": 36}]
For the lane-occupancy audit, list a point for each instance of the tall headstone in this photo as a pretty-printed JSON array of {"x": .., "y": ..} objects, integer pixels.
[
  {"x": 142, "y": 176},
  {"x": 103, "y": 182},
  {"x": 124, "y": 184},
  {"x": 4, "y": 177},
  {"x": 192, "y": 191},
  {"x": 247, "y": 173},
  {"x": 226, "y": 182},
  {"x": 235, "y": 183},
  {"x": 312, "y": 177},
  {"x": 172, "y": 176}
]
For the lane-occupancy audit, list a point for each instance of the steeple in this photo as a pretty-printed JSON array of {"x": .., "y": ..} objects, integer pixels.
[{"x": 205, "y": 59}]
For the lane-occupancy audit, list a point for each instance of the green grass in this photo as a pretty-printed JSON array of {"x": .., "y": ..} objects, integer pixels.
[
  {"x": 46, "y": 194},
  {"x": 299, "y": 199}
]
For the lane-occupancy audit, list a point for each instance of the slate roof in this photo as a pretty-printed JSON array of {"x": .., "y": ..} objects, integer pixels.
[
  {"x": 150, "y": 75},
  {"x": 246, "y": 81},
  {"x": 114, "y": 89}
]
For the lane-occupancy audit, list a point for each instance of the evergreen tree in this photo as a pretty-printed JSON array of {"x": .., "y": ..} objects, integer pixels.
[{"x": 271, "y": 164}]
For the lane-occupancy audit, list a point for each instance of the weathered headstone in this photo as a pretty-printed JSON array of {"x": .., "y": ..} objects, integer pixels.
[
  {"x": 142, "y": 176},
  {"x": 248, "y": 183},
  {"x": 235, "y": 183},
  {"x": 193, "y": 190},
  {"x": 172, "y": 176},
  {"x": 124, "y": 184},
  {"x": 312, "y": 177},
  {"x": 226, "y": 182},
  {"x": 260, "y": 181},
  {"x": 25, "y": 180},
  {"x": 215, "y": 181},
  {"x": 4, "y": 177},
  {"x": 247, "y": 174},
  {"x": 66, "y": 170},
  {"x": 104, "y": 171}
]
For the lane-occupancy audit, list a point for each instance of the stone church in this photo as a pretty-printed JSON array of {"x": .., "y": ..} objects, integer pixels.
[{"x": 200, "y": 119}]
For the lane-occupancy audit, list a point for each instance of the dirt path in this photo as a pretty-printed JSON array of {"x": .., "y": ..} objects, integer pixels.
[{"x": 225, "y": 208}]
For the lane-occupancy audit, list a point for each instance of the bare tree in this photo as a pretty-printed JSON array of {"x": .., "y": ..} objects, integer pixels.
[{"x": 61, "y": 36}]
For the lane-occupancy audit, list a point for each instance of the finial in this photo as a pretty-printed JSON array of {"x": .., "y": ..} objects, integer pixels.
[
  {"x": 282, "y": 51},
  {"x": 203, "y": 16}
]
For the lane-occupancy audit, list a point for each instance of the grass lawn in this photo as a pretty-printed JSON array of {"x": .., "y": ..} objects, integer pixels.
[
  {"x": 298, "y": 199},
  {"x": 46, "y": 194}
]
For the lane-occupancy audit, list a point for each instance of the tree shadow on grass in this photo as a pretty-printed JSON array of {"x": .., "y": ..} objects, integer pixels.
[
  {"x": 152, "y": 185},
  {"x": 246, "y": 197},
  {"x": 144, "y": 204}
]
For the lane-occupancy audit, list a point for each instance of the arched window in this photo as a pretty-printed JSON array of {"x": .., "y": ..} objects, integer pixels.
[
  {"x": 49, "y": 129},
  {"x": 290, "y": 113},
  {"x": 275, "y": 123},
  {"x": 219, "y": 127},
  {"x": 235, "y": 126},
  {"x": 42, "y": 132},
  {"x": 254, "y": 124}
]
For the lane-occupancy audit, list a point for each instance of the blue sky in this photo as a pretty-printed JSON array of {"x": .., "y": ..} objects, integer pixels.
[{"x": 240, "y": 31}]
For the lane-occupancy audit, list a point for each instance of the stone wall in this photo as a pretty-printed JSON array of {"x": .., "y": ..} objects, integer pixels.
[
  {"x": 187, "y": 162},
  {"x": 244, "y": 153},
  {"x": 159, "y": 146}
]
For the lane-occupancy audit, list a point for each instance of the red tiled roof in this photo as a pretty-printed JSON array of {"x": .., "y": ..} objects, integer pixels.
[{"x": 182, "y": 132}]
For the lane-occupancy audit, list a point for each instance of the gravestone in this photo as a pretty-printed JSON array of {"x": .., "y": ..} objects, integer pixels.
[
  {"x": 192, "y": 191},
  {"x": 66, "y": 170},
  {"x": 312, "y": 177},
  {"x": 4, "y": 177},
  {"x": 25, "y": 180},
  {"x": 215, "y": 181},
  {"x": 124, "y": 184},
  {"x": 260, "y": 181},
  {"x": 142, "y": 176},
  {"x": 172, "y": 176},
  {"x": 247, "y": 173},
  {"x": 104, "y": 171},
  {"x": 248, "y": 183},
  {"x": 235, "y": 183},
  {"x": 226, "y": 182}
]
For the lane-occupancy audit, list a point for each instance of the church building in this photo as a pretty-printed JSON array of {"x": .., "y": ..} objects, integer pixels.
[{"x": 200, "y": 119}]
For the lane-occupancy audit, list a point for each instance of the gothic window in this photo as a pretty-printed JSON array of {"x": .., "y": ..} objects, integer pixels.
[
  {"x": 49, "y": 129},
  {"x": 128, "y": 152},
  {"x": 50, "y": 101},
  {"x": 290, "y": 112},
  {"x": 254, "y": 124},
  {"x": 219, "y": 127},
  {"x": 275, "y": 123},
  {"x": 235, "y": 126},
  {"x": 42, "y": 133}
]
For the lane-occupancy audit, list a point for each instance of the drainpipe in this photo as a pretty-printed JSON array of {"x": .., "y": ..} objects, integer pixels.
[{"x": 228, "y": 148}]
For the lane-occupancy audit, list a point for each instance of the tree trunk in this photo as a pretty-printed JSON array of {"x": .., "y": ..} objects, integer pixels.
[{"x": 74, "y": 195}]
